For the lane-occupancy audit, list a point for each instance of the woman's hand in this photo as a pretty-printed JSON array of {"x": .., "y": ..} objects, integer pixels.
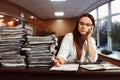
[
  {"x": 89, "y": 33},
  {"x": 59, "y": 61}
]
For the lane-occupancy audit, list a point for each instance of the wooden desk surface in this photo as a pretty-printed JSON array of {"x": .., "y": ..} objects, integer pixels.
[{"x": 37, "y": 73}]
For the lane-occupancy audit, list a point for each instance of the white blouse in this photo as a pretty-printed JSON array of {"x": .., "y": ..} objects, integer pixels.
[{"x": 68, "y": 50}]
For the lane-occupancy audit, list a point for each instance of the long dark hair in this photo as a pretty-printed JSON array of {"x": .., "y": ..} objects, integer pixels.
[{"x": 76, "y": 35}]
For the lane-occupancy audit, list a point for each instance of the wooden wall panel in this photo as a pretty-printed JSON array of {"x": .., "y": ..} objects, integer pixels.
[
  {"x": 9, "y": 9},
  {"x": 59, "y": 26}
]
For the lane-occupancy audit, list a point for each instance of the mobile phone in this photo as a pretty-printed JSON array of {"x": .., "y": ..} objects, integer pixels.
[{"x": 88, "y": 32}]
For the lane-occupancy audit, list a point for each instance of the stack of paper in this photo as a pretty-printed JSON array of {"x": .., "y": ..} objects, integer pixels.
[
  {"x": 10, "y": 45},
  {"x": 40, "y": 50}
]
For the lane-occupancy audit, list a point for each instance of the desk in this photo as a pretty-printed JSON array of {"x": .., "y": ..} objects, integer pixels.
[
  {"x": 18, "y": 73},
  {"x": 109, "y": 59}
]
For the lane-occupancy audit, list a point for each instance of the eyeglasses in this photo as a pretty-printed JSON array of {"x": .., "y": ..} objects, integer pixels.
[{"x": 87, "y": 24}]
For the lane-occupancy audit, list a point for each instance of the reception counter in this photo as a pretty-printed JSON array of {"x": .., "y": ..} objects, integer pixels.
[{"x": 40, "y": 73}]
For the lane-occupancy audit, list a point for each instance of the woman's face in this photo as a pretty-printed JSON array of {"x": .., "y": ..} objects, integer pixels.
[{"x": 84, "y": 25}]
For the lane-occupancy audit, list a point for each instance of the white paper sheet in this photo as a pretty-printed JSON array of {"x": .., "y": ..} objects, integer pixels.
[
  {"x": 66, "y": 67},
  {"x": 104, "y": 65}
]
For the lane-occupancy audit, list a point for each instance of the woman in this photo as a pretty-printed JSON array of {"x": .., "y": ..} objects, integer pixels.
[{"x": 79, "y": 45}]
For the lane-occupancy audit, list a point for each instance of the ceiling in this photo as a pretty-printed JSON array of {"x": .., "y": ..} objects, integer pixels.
[{"x": 44, "y": 9}]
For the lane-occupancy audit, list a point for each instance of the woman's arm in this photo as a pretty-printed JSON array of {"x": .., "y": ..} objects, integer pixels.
[
  {"x": 91, "y": 46},
  {"x": 91, "y": 49},
  {"x": 64, "y": 50}
]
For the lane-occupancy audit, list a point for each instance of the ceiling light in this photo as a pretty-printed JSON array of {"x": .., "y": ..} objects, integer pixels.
[
  {"x": 31, "y": 17},
  {"x": 57, "y": 0},
  {"x": 59, "y": 13},
  {"x": 1, "y": 16}
]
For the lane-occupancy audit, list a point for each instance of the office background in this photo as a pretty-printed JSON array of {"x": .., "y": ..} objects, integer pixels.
[{"x": 105, "y": 12}]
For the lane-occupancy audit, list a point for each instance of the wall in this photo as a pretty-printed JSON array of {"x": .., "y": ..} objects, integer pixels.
[{"x": 59, "y": 26}]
